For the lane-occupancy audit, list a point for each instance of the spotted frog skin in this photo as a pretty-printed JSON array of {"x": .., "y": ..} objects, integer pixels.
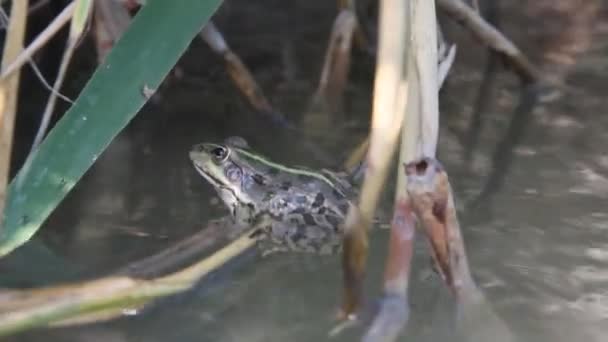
[{"x": 296, "y": 209}]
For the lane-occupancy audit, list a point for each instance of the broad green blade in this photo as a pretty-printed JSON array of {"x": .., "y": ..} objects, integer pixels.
[{"x": 156, "y": 38}]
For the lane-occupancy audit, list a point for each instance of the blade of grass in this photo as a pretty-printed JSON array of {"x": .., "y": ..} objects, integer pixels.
[
  {"x": 157, "y": 37},
  {"x": 9, "y": 89},
  {"x": 82, "y": 12}
]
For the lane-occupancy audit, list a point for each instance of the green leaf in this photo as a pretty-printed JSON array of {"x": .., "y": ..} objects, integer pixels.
[{"x": 156, "y": 38}]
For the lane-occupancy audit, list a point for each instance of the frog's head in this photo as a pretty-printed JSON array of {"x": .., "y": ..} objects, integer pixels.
[{"x": 236, "y": 173}]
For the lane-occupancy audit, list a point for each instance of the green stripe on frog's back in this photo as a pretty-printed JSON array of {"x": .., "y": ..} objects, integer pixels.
[{"x": 296, "y": 171}]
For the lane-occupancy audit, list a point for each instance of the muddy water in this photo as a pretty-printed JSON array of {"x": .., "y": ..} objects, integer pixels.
[{"x": 529, "y": 167}]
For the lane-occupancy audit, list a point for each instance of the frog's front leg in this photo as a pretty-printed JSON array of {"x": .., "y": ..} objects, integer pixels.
[{"x": 268, "y": 235}]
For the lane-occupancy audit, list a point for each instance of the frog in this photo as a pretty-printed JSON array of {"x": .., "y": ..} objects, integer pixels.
[{"x": 294, "y": 208}]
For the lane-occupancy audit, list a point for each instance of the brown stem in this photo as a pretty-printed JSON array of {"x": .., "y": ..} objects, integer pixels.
[
  {"x": 337, "y": 61},
  {"x": 214, "y": 233},
  {"x": 246, "y": 84},
  {"x": 489, "y": 35},
  {"x": 360, "y": 38},
  {"x": 354, "y": 258},
  {"x": 394, "y": 307},
  {"x": 400, "y": 249},
  {"x": 433, "y": 203},
  {"x": 237, "y": 70}
]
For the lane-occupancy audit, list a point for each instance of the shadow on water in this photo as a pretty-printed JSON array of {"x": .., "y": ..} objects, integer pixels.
[
  {"x": 531, "y": 179},
  {"x": 503, "y": 156},
  {"x": 484, "y": 99}
]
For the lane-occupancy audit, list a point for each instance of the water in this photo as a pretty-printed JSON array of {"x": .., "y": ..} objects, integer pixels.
[{"x": 530, "y": 175}]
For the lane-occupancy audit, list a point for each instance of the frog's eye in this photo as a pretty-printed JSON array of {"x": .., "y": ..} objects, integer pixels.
[
  {"x": 233, "y": 173},
  {"x": 219, "y": 153}
]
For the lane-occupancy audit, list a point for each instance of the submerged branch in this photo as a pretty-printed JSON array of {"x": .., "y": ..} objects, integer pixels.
[
  {"x": 112, "y": 296},
  {"x": 484, "y": 31},
  {"x": 433, "y": 204},
  {"x": 240, "y": 74},
  {"x": 215, "y": 232},
  {"x": 334, "y": 76}
]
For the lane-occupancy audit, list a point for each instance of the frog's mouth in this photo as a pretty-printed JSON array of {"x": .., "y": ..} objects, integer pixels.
[
  {"x": 211, "y": 179},
  {"x": 226, "y": 193}
]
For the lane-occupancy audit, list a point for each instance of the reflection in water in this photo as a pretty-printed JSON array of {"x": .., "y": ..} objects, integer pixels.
[
  {"x": 538, "y": 173},
  {"x": 503, "y": 155},
  {"x": 566, "y": 32}
]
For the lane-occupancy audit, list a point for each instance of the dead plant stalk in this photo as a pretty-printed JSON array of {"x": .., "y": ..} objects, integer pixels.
[
  {"x": 106, "y": 297},
  {"x": 418, "y": 138},
  {"x": 390, "y": 97},
  {"x": 9, "y": 88}
]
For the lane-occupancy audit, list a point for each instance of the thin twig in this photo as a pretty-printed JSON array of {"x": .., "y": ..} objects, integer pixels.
[
  {"x": 50, "y": 105},
  {"x": 4, "y": 18},
  {"x": 37, "y": 6},
  {"x": 40, "y": 40},
  {"x": 76, "y": 31}
]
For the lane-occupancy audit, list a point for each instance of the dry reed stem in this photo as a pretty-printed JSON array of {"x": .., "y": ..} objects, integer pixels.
[
  {"x": 418, "y": 137},
  {"x": 446, "y": 56},
  {"x": 237, "y": 70},
  {"x": 357, "y": 155},
  {"x": 360, "y": 38},
  {"x": 40, "y": 40},
  {"x": 81, "y": 302},
  {"x": 334, "y": 75},
  {"x": 9, "y": 90},
  {"x": 490, "y": 36},
  {"x": 390, "y": 91},
  {"x": 433, "y": 203},
  {"x": 214, "y": 232}
]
